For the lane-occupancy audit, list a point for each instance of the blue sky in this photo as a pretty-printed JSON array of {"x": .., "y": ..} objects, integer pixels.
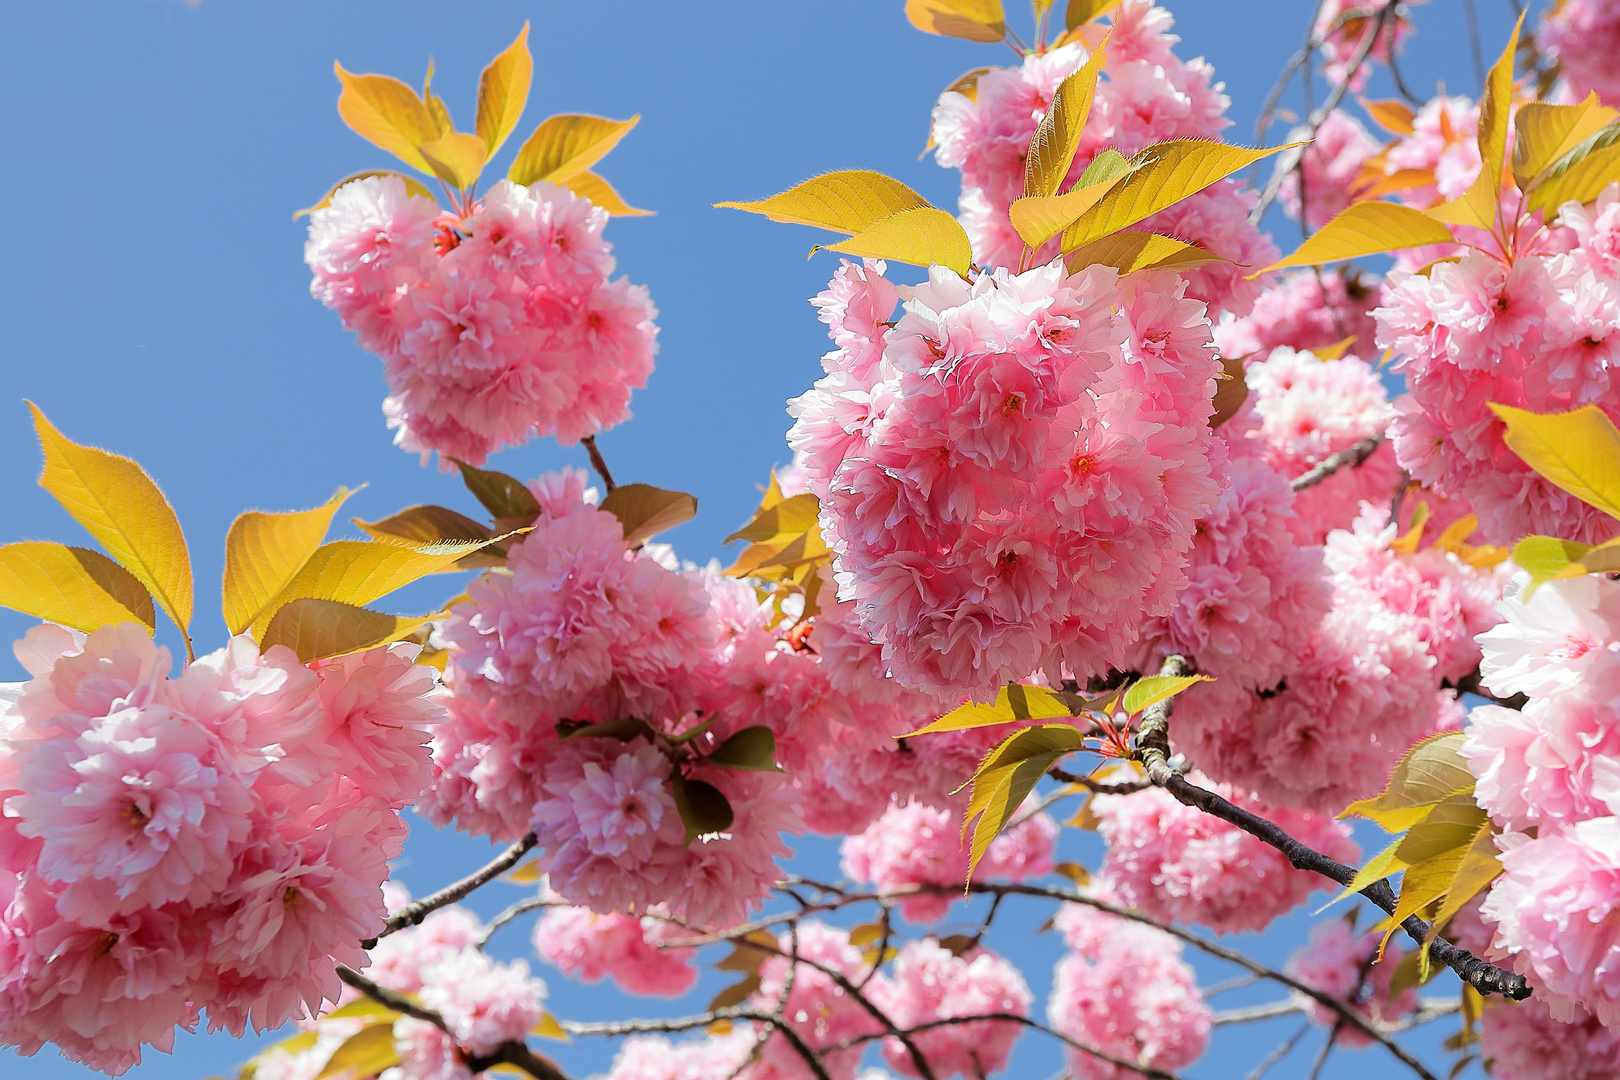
[{"x": 156, "y": 302}]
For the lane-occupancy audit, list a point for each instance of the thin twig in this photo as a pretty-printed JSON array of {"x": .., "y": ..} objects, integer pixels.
[
  {"x": 1475, "y": 50},
  {"x": 1230, "y": 984},
  {"x": 688, "y": 1023},
  {"x": 1252, "y": 1013},
  {"x": 1350, "y": 457},
  {"x": 598, "y": 462},
  {"x": 1014, "y": 1018},
  {"x": 522, "y": 907},
  {"x": 417, "y": 910},
  {"x": 1098, "y": 787},
  {"x": 1264, "y": 1065}
]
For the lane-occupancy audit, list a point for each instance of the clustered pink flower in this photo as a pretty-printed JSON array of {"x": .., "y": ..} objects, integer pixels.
[
  {"x": 1147, "y": 95},
  {"x": 1542, "y": 334},
  {"x": 818, "y": 1009},
  {"x": 1179, "y": 864},
  {"x": 214, "y": 841},
  {"x": 1345, "y": 27},
  {"x": 1341, "y": 963},
  {"x": 1584, "y": 36},
  {"x": 1304, "y": 310},
  {"x": 1331, "y": 164},
  {"x": 1444, "y": 141},
  {"x": 1010, "y": 475},
  {"x": 625, "y": 947},
  {"x": 652, "y": 1057},
  {"x": 1550, "y": 777},
  {"x": 1522, "y": 1041},
  {"x": 927, "y": 983},
  {"x": 1125, "y": 990},
  {"x": 918, "y": 844},
  {"x": 495, "y": 327}
]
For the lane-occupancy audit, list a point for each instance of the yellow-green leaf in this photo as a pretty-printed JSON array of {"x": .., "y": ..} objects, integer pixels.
[
  {"x": 1015, "y": 701},
  {"x": 646, "y": 511},
  {"x": 503, "y": 90},
  {"x": 1038, "y": 218},
  {"x": 321, "y": 629},
  {"x": 549, "y": 1028},
  {"x": 588, "y": 185},
  {"x": 365, "y": 1053},
  {"x": 1365, "y": 228},
  {"x": 865, "y": 934},
  {"x": 1168, "y": 172},
  {"x": 1580, "y": 175},
  {"x": 1394, "y": 116},
  {"x": 976, "y": 20},
  {"x": 849, "y": 201},
  {"x": 73, "y": 586},
  {"x": 1153, "y": 689},
  {"x": 263, "y": 552},
  {"x": 419, "y": 525},
  {"x": 358, "y": 571},
  {"x": 1578, "y": 451},
  {"x": 781, "y": 519},
  {"x": 437, "y": 109},
  {"x": 1130, "y": 251},
  {"x": 456, "y": 158},
  {"x": 1479, "y": 204},
  {"x": 360, "y": 1006},
  {"x": 1478, "y": 868},
  {"x": 564, "y": 146},
  {"x": 413, "y": 187},
  {"x": 1080, "y": 12},
  {"x": 1545, "y": 133},
  {"x": 1009, "y": 773},
  {"x": 525, "y": 873},
  {"x": 387, "y": 113},
  {"x": 1057, "y": 136},
  {"x": 1430, "y": 772},
  {"x": 1547, "y": 558},
  {"x": 1450, "y": 823},
  {"x": 923, "y": 237},
  {"x": 119, "y": 505},
  {"x": 1378, "y": 867}
]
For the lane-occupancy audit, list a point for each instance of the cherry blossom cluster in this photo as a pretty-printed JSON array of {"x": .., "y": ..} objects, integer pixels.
[
  {"x": 1148, "y": 95},
  {"x": 1304, "y": 310},
  {"x": 1348, "y": 966},
  {"x": 1011, "y": 472},
  {"x": 495, "y": 327},
  {"x": 629, "y": 949},
  {"x": 1583, "y": 36},
  {"x": 1330, "y": 165},
  {"x": 1344, "y": 27},
  {"x": 1549, "y": 776},
  {"x": 218, "y": 840}
]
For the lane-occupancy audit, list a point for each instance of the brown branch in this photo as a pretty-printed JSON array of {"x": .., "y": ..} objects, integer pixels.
[
  {"x": 1098, "y": 787},
  {"x": 1153, "y": 744},
  {"x": 1350, "y": 457},
  {"x": 1470, "y": 684},
  {"x": 417, "y": 910},
  {"x": 688, "y": 1023},
  {"x": 522, "y": 907},
  {"x": 511, "y": 1052},
  {"x": 598, "y": 462}
]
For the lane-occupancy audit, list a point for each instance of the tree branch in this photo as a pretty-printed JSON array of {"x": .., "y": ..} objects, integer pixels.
[
  {"x": 417, "y": 910},
  {"x": 1470, "y": 684},
  {"x": 598, "y": 462},
  {"x": 1350, "y": 457}
]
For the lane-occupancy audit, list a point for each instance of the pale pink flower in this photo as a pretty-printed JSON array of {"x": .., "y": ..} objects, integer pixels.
[
  {"x": 625, "y": 947},
  {"x": 927, "y": 983},
  {"x": 1340, "y": 963}
]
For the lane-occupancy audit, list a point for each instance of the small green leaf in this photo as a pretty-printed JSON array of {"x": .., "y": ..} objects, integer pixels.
[
  {"x": 752, "y": 748},
  {"x": 623, "y": 728},
  {"x": 503, "y": 496},
  {"x": 1429, "y": 773},
  {"x": 1156, "y": 688},
  {"x": 702, "y": 806}
]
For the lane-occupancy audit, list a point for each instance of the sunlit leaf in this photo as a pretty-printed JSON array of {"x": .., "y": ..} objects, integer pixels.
[
  {"x": 1544, "y": 133},
  {"x": 436, "y": 107},
  {"x": 1378, "y": 867},
  {"x": 1478, "y": 867},
  {"x": 549, "y": 1028},
  {"x": 387, "y": 113},
  {"x": 1131, "y": 251},
  {"x": 750, "y": 749},
  {"x": 503, "y": 90},
  {"x": 1080, "y": 12},
  {"x": 1074, "y": 872},
  {"x": 1168, "y": 172},
  {"x": 119, "y": 505},
  {"x": 365, "y": 1053},
  {"x": 850, "y": 201},
  {"x": 702, "y": 806},
  {"x": 73, "y": 586},
  {"x": 1334, "y": 351},
  {"x": 588, "y": 185},
  {"x": 564, "y": 146},
  {"x": 1450, "y": 823},
  {"x": 780, "y": 518},
  {"x": 1427, "y": 774},
  {"x": 1479, "y": 204},
  {"x": 426, "y": 525},
  {"x": 1015, "y": 701},
  {"x": 923, "y": 237},
  {"x": 1039, "y": 218},
  {"x": 456, "y": 158},
  {"x": 360, "y": 1006},
  {"x": 1394, "y": 116},
  {"x": 526, "y": 872},
  {"x": 1578, "y": 451},
  {"x": 263, "y": 552},
  {"x": 1580, "y": 175},
  {"x": 976, "y": 20},
  {"x": 1390, "y": 183},
  {"x": 1152, "y": 689},
  {"x": 1009, "y": 773},
  {"x": 646, "y": 511},
  {"x": 1366, "y": 228},
  {"x": 413, "y": 187},
  {"x": 321, "y": 629},
  {"x": 748, "y": 952},
  {"x": 1057, "y": 136},
  {"x": 1547, "y": 558}
]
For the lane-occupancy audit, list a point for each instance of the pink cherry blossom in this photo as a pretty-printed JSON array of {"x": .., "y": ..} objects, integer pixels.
[
  {"x": 928, "y": 983},
  {"x": 1340, "y": 963}
]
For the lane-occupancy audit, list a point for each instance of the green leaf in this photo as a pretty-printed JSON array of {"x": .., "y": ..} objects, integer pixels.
[
  {"x": 1365, "y": 228},
  {"x": 119, "y": 505},
  {"x": 752, "y": 748},
  {"x": 848, "y": 201},
  {"x": 72, "y": 586},
  {"x": 263, "y": 552},
  {"x": 505, "y": 497},
  {"x": 1545, "y": 133},
  {"x": 322, "y": 629},
  {"x": 702, "y": 806},
  {"x": 975, "y": 20},
  {"x": 564, "y": 146},
  {"x": 921, "y": 237},
  {"x": 1009, "y": 773},
  {"x": 587, "y": 185},
  {"x": 1430, "y": 772},
  {"x": 1057, "y": 136},
  {"x": 646, "y": 511},
  {"x": 1378, "y": 867},
  {"x": 1167, "y": 173},
  {"x": 781, "y": 520},
  {"x": 1015, "y": 701},
  {"x": 503, "y": 90},
  {"x": 1450, "y": 823},
  {"x": 623, "y": 728},
  {"x": 413, "y": 188},
  {"x": 1547, "y": 558},
  {"x": 1578, "y": 451},
  {"x": 1479, "y": 866},
  {"x": 1580, "y": 175},
  {"x": 1156, "y": 688},
  {"x": 387, "y": 113},
  {"x": 1128, "y": 252},
  {"x": 365, "y": 1053}
]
